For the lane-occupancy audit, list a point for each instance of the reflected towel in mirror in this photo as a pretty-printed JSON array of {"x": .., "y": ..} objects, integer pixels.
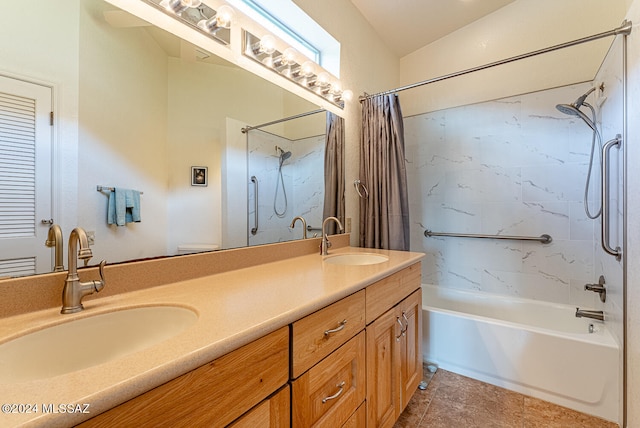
[{"x": 124, "y": 207}]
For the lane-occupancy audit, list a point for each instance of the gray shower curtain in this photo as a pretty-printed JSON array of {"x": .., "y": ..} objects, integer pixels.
[
  {"x": 384, "y": 214},
  {"x": 334, "y": 171}
]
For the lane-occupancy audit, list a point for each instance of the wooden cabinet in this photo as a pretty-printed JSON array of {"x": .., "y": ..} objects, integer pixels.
[
  {"x": 358, "y": 419},
  {"x": 329, "y": 393},
  {"x": 317, "y": 335},
  {"x": 274, "y": 412},
  {"x": 394, "y": 359},
  {"x": 212, "y": 395},
  {"x": 410, "y": 347},
  {"x": 365, "y": 346},
  {"x": 328, "y": 364}
]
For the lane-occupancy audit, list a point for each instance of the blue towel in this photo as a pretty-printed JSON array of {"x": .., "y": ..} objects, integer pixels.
[{"x": 124, "y": 207}]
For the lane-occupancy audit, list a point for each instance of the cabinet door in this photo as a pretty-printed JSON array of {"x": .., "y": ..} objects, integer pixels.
[
  {"x": 212, "y": 395},
  {"x": 383, "y": 369},
  {"x": 410, "y": 347},
  {"x": 329, "y": 393},
  {"x": 274, "y": 412}
]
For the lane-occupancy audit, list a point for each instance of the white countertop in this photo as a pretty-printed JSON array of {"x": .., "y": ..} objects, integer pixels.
[{"x": 234, "y": 308}]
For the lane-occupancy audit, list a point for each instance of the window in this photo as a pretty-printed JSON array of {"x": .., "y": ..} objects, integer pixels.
[{"x": 291, "y": 24}]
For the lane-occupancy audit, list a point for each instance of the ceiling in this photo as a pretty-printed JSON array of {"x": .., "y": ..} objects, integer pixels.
[{"x": 407, "y": 25}]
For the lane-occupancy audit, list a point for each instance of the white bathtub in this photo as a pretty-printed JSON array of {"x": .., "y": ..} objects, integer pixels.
[{"x": 538, "y": 349}]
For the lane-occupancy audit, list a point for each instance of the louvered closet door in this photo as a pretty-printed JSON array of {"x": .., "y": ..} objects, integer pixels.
[{"x": 25, "y": 177}]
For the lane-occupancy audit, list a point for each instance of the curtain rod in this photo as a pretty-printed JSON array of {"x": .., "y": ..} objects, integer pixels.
[
  {"x": 625, "y": 29},
  {"x": 309, "y": 113}
]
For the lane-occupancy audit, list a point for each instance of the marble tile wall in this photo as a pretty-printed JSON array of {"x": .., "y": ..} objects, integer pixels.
[
  {"x": 303, "y": 176},
  {"x": 514, "y": 166}
]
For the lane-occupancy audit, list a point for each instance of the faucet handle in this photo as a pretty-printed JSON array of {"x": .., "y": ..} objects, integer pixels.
[{"x": 99, "y": 285}]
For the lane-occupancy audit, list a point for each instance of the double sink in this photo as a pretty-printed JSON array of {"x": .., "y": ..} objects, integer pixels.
[{"x": 87, "y": 341}]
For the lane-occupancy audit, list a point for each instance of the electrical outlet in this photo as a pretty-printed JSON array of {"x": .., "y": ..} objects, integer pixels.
[
  {"x": 348, "y": 225},
  {"x": 91, "y": 237}
]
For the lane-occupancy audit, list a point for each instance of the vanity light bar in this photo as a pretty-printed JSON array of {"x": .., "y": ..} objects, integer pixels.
[
  {"x": 294, "y": 67},
  {"x": 200, "y": 17}
]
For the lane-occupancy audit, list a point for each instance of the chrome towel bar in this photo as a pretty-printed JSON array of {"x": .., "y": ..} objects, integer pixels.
[
  {"x": 108, "y": 189},
  {"x": 544, "y": 239}
]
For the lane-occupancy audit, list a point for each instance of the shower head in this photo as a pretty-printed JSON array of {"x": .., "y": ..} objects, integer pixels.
[
  {"x": 283, "y": 155},
  {"x": 574, "y": 108}
]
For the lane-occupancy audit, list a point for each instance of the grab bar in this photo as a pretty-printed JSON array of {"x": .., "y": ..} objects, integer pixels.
[
  {"x": 254, "y": 180},
  {"x": 545, "y": 239},
  {"x": 605, "y": 238}
]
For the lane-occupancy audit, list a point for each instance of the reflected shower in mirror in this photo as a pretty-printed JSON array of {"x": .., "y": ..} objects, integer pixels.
[{"x": 282, "y": 158}]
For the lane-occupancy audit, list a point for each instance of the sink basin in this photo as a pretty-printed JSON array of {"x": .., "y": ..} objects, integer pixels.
[
  {"x": 356, "y": 259},
  {"x": 85, "y": 342}
]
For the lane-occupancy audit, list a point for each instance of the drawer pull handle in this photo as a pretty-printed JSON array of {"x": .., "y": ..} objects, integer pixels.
[
  {"x": 336, "y": 395},
  {"x": 337, "y": 329},
  {"x": 404, "y": 315},
  {"x": 402, "y": 330}
]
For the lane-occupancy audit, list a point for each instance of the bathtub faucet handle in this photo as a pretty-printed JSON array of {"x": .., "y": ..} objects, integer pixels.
[{"x": 598, "y": 288}]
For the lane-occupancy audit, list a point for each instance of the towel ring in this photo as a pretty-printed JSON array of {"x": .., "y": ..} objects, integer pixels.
[{"x": 357, "y": 184}]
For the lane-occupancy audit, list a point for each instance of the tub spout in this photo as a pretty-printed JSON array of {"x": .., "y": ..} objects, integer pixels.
[{"x": 596, "y": 315}]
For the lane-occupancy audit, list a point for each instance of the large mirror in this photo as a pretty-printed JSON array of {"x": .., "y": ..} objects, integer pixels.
[{"x": 136, "y": 108}]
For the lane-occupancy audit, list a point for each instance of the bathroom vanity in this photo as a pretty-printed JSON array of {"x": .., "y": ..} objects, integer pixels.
[{"x": 294, "y": 340}]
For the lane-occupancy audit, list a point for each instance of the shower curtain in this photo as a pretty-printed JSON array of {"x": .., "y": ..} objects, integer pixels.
[
  {"x": 384, "y": 214},
  {"x": 334, "y": 171}
]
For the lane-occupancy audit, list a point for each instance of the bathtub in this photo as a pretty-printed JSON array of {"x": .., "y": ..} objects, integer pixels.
[{"x": 534, "y": 348}]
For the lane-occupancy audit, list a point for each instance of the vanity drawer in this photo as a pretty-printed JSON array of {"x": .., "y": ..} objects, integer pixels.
[
  {"x": 389, "y": 291},
  {"x": 317, "y": 335},
  {"x": 329, "y": 393},
  {"x": 212, "y": 395}
]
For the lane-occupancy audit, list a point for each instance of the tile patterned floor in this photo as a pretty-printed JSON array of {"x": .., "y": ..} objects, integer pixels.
[{"x": 453, "y": 401}]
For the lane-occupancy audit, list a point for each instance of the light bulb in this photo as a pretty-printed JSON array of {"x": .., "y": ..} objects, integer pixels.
[
  {"x": 268, "y": 44},
  {"x": 307, "y": 69},
  {"x": 336, "y": 88},
  {"x": 222, "y": 19},
  {"x": 179, "y": 6},
  {"x": 225, "y": 15},
  {"x": 323, "y": 79},
  {"x": 175, "y": 6},
  {"x": 289, "y": 56},
  {"x": 347, "y": 95}
]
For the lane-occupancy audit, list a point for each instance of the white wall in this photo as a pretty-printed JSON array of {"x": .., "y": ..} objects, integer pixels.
[
  {"x": 514, "y": 166},
  {"x": 52, "y": 61},
  {"x": 632, "y": 223},
  {"x": 611, "y": 122},
  {"x": 122, "y": 134},
  {"x": 520, "y": 27}
]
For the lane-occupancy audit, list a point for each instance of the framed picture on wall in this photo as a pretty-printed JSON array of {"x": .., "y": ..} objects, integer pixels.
[{"x": 199, "y": 176}]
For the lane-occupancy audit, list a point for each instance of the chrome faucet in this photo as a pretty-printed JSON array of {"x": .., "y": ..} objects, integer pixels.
[
  {"x": 598, "y": 288},
  {"x": 54, "y": 239},
  {"x": 596, "y": 315},
  {"x": 304, "y": 225},
  {"x": 74, "y": 290},
  {"x": 325, "y": 244}
]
